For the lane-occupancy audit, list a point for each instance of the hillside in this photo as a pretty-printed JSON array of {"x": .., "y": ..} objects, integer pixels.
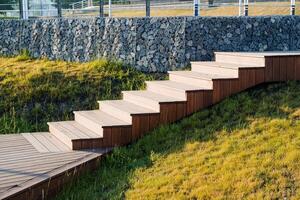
[
  {"x": 33, "y": 92},
  {"x": 246, "y": 147}
]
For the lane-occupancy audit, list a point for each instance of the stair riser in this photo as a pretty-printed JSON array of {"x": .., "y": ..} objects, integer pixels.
[
  {"x": 166, "y": 91},
  {"x": 113, "y": 111},
  {"x": 87, "y": 144},
  {"x": 233, "y": 73},
  {"x": 171, "y": 112},
  {"x": 240, "y": 59},
  {"x": 61, "y": 136},
  {"x": 93, "y": 126},
  {"x": 144, "y": 102},
  {"x": 142, "y": 124},
  {"x": 194, "y": 81}
]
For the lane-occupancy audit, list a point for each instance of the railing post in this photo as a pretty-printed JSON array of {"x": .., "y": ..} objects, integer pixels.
[
  {"x": 21, "y": 9},
  {"x": 196, "y": 8},
  {"x": 246, "y": 7},
  {"x": 24, "y": 9},
  {"x": 147, "y": 8},
  {"x": 292, "y": 10},
  {"x": 240, "y": 8},
  {"x": 109, "y": 8},
  {"x": 101, "y": 8},
  {"x": 59, "y": 13}
]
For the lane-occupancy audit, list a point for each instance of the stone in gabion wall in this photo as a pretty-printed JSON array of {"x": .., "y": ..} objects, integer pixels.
[{"x": 149, "y": 44}]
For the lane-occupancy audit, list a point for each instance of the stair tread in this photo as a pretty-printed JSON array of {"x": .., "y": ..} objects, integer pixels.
[
  {"x": 102, "y": 118},
  {"x": 198, "y": 75},
  {"x": 262, "y": 54},
  {"x": 74, "y": 130},
  {"x": 45, "y": 142},
  {"x": 127, "y": 107},
  {"x": 226, "y": 65},
  {"x": 178, "y": 86},
  {"x": 154, "y": 96}
]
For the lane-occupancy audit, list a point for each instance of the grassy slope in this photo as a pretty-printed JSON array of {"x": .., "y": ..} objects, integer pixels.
[
  {"x": 33, "y": 92},
  {"x": 246, "y": 147}
]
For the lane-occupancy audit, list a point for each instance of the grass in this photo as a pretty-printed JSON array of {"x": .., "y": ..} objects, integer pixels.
[
  {"x": 33, "y": 92},
  {"x": 246, "y": 147}
]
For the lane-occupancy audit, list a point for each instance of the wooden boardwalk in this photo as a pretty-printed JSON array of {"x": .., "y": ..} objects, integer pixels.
[
  {"x": 25, "y": 171},
  {"x": 37, "y": 165}
]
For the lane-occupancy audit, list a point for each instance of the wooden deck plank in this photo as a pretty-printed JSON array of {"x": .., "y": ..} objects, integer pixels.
[
  {"x": 35, "y": 142},
  {"x": 23, "y": 163}
]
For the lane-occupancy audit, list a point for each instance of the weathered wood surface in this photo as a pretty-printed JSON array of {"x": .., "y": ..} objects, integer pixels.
[{"x": 22, "y": 163}]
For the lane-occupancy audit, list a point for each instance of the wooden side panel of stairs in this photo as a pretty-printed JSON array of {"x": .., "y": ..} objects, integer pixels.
[{"x": 121, "y": 122}]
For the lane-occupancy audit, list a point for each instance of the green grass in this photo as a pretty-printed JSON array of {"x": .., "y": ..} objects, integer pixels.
[
  {"x": 33, "y": 92},
  {"x": 246, "y": 147}
]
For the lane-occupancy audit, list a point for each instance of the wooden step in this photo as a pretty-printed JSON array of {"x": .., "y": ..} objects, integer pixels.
[
  {"x": 228, "y": 69},
  {"x": 240, "y": 58},
  {"x": 124, "y": 110},
  {"x": 149, "y": 99},
  {"x": 46, "y": 142},
  {"x": 71, "y": 132},
  {"x": 96, "y": 120},
  {"x": 172, "y": 88},
  {"x": 196, "y": 78}
]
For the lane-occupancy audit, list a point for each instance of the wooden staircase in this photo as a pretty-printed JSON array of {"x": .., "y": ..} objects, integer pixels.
[{"x": 120, "y": 122}]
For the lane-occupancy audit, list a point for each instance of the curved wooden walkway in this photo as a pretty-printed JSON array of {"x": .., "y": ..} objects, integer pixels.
[{"x": 37, "y": 165}]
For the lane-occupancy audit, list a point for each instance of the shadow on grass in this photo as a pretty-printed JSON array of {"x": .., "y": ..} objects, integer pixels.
[{"x": 113, "y": 178}]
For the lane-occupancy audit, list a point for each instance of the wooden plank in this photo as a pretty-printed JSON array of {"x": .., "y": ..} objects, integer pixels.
[
  {"x": 269, "y": 69},
  {"x": 207, "y": 98},
  {"x": 153, "y": 121},
  {"x": 198, "y": 101},
  {"x": 276, "y": 68},
  {"x": 291, "y": 68},
  {"x": 126, "y": 135},
  {"x": 48, "y": 144},
  {"x": 116, "y": 136},
  {"x": 180, "y": 110},
  {"x": 216, "y": 91},
  {"x": 190, "y": 102},
  {"x": 35, "y": 142},
  {"x": 140, "y": 125},
  {"x": 38, "y": 157},
  {"x": 235, "y": 86},
  {"x": 168, "y": 113},
  {"x": 30, "y": 172},
  {"x": 283, "y": 68},
  {"x": 250, "y": 78},
  {"x": 107, "y": 137},
  {"x": 297, "y": 67},
  {"x": 259, "y": 75},
  {"x": 32, "y": 162}
]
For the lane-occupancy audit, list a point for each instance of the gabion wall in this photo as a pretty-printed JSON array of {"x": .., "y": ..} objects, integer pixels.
[{"x": 149, "y": 44}]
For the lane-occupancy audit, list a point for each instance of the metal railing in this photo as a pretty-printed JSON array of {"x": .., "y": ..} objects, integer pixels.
[{"x": 137, "y": 8}]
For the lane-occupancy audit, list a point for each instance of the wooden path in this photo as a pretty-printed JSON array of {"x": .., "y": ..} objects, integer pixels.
[
  {"x": 37, "y": 165},
  {"x": 26, "y": 173}
]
